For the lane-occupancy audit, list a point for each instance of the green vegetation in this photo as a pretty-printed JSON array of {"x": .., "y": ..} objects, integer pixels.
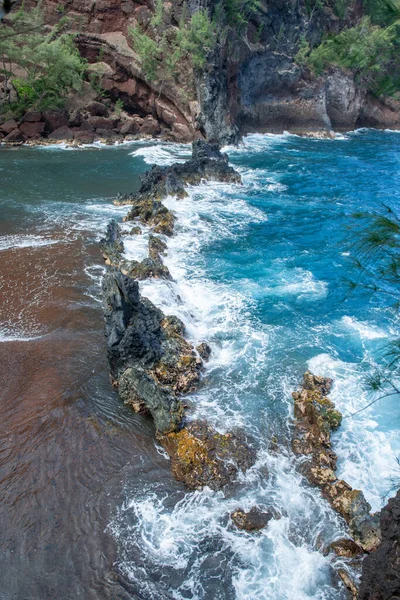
[
  {"x": 148, "y": 51},
  {"x": 40, "y": 65},
  {"x": 370, "y": 50},
  {"x": 196, "y": 36},
  {"x": 377, "y": 265}
]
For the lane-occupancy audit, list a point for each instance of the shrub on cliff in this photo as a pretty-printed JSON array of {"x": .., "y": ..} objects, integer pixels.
[
  {"x": 370, "y": 51},
  {"x": 39, "y": 65}
]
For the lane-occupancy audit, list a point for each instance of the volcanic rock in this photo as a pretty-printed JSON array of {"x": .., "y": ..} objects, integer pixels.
[
  {"x": 201, "y": 456},
  {"x": 54, "y": 119},
  {"x": 253, "y": 520},
  {"x": 32, "y": 129},
  {"x": 380, "y": 579},
  {"x": 316, "y": 417}
]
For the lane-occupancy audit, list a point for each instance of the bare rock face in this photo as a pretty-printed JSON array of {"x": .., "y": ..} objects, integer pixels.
[
  {"x": 253, "y": 520},
  {"x": 202, "y": 457},
  {"x": 9, "y": 126},
  {"x": 54, "y": 119},
  {"x": 150, "y": 363},
  {"x": 380, "y": 578},
  {"x": 62, "y": 133},
  {"x": 316, "y": 417},
  {"x": 15, "y": 136}
]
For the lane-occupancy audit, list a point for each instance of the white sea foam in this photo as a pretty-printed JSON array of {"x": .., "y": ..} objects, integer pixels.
[
  {"x": 364, "y": 330},
  {"x": 8, "y": 242},
  {"x": 163, "y": 153}
]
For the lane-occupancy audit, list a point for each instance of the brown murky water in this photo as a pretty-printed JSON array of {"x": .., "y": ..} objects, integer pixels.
[{"x": 67, "y": 444}]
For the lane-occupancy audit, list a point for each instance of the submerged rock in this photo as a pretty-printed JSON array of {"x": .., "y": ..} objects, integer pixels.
[
  {"x": 316, "y": 418},
  {"x": 201, "y": 456},
  {"x": 204, "y": 350},
  {"x": 253, "y": 520},
  {"x": 380, "y": 579}
]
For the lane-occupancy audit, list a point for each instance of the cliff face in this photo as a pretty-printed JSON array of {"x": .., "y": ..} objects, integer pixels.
[
  {"x": 381, "y": 569},
  {"x": 250, "y": 81}
]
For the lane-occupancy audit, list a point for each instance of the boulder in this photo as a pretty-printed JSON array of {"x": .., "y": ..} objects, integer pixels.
[
  {"x": 14, "y": 136},
  {"x": 101, "y": 123},
  {"x": 55, "y": 119},
  {"x": 201, "y": 456},
  {"x": 62, "y": 133},
  {"x": 32, "y": 116},
  {"x": 84, "y": 137},
  {"x": 86, "y": 126},
  {"x": 204, "y": 350},
  {"x": 253, "y": 520},
  {"x": 32, "y": 129},
  {"x": 9, "y": 126},
  {"x": 97, "y": 109},
  {"x": 150, "y": 126},
  {"x": 131, "y": 126}
]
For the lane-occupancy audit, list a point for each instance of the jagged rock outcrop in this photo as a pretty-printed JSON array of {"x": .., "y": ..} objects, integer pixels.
[
  {"x": 201, "y": 456},
  {"x": 380, "y": 578},
  {"x": 208, "y": 163},
  {"x": 255, "y": 519},
  {"x": 151, "y": 363},
  {"x": 315, "y": 419}
]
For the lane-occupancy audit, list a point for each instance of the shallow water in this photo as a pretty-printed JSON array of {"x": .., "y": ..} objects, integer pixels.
[{"x": 89, "y": 506}]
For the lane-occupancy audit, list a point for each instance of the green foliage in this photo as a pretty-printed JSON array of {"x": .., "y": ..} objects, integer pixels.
[
  {"x": 119, "y": 107},
  {"x": 48, "y": 62},
  {"x": 158, "y": 17},
  {"x": 237, "y": 13},
  {"x": 377, "y": 265},
  {"x": 383, "y": 12},
  {"x": 198, "y": 38},
  {"x": 303, "y": 53},
  {"x": 340, "y": 8},
  {"x": 147, "y": 50},
  {"x": 369, "y": 50}
]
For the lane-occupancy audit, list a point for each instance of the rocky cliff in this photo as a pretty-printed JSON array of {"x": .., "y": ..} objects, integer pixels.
[{"x": 250, "y": 80}]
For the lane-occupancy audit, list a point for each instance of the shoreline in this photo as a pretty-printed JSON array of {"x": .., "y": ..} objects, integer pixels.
[{"x": 131, "y": 139}]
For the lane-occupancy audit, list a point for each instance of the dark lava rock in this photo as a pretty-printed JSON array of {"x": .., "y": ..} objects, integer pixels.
[
  {"x": 157, "y": 247},
  {"x": 380, "y": 579},
  {"x": 136, "y": 230},
  {"x": 201, "y": 456},
  {"x": 207, "y": 163},
  {"x": 151, "y": 363},
  {"x": 102, "y": 123},
  {"x": 146, "y": 269},
  {"x": 112, "y": 246},
  {"x": 204, "y": 350},
  {"x": 84, "y": 137},
  {"x": 316, "y": 418},
  {"x": 254, "y": 520}
]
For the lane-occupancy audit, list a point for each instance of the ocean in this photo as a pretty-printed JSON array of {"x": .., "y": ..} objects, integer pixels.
[{"x": 89, "y": 506}]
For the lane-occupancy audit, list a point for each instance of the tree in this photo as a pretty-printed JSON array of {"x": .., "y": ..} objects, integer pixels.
[
  {"x": 41, "y": 65},
  {"x": 377, "y": 264}
]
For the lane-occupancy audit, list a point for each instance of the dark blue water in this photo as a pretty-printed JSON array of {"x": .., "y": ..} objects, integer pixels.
[{"x": 259, "y": 272}]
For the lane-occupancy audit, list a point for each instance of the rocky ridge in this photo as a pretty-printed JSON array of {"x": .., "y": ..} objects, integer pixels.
[
  {"x": 152, "y": 365},
  {"x": 315, "y": 419}
]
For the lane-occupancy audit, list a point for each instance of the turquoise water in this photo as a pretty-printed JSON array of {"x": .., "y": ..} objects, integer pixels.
[{"x": 259, "y": 272}]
